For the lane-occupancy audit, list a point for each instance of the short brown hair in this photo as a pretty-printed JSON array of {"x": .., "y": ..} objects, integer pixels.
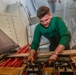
[{"x": 42, "y": 11}]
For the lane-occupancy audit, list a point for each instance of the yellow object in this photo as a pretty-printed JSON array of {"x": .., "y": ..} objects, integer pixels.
[
  {"x": 48, "y": 70},
  {"x": 11, "y": 70}
]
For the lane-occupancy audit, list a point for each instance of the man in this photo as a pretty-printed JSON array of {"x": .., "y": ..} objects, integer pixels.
[{"x": 54, "y": 29}]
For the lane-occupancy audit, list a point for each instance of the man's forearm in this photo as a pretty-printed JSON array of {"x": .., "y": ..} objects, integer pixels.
[
  {"x": 32, "y": 52},
  {"x": 59, "y": 49}
]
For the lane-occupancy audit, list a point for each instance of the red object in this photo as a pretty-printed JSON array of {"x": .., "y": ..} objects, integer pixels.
[
  {"x": 8, "y": 65},
  {"x": 15, "y": 65},
  {"x": 15, "y": 62},
  {"x": 25, "y": 47},
  {"x": 20, "y": 62},
  {"x": 6, "y": 62}
]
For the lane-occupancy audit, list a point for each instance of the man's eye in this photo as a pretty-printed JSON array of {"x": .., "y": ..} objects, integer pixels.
[{"x": 46, "y": 19}]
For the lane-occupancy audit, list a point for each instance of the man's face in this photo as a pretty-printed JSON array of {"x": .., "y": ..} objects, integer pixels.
[{"x": 45, "y": 21}]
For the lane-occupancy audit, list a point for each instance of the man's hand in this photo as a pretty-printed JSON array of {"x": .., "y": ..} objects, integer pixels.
[
  {"x": 58, "y": 50},
  {"x": 31, "y": 56},
  {"x": 52, "y": 58}
]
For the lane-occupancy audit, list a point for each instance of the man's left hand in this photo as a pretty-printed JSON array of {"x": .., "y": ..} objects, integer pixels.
[{"x": 53, "y": 57}]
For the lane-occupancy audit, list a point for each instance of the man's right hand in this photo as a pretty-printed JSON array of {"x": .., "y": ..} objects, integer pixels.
[{"x": 31, "y": 56}]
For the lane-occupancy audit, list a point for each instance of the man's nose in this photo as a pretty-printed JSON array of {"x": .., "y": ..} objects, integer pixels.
[{"x": 44, "y": 22}]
